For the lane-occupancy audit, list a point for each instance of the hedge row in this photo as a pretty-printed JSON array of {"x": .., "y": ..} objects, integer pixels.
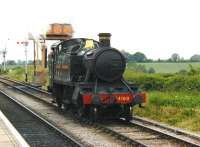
[{"x": 164, "y": 82}]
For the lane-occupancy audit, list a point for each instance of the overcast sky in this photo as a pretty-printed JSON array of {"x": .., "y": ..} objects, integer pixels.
[{"x": 157, "y": 28}]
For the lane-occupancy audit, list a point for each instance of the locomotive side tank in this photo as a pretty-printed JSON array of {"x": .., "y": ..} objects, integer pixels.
[{"x": 87, "y": 76}]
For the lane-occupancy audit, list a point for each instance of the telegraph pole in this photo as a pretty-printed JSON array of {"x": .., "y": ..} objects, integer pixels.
[
  {"x": 26, "y": 62},
  {"x": 25, "y": 44},
  {"x": 4, "y": 55},
  {"x": 35, "y": 45},
  {"x": 34, "y": 62},
  {"x": 4, "y": 60}
]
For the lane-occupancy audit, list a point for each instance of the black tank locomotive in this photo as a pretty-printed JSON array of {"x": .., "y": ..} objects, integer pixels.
[{"x": 87, "y": 76}]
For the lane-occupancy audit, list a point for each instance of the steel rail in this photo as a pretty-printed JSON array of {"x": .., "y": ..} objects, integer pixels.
[
  {"x": 45, "y": 122},
  {"x": 27, "y": 85},
  {"x": 165, "y": 127}
]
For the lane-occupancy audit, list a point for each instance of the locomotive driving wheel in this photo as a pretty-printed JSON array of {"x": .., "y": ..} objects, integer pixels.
[
  {"x": 128, "y": 113},
  {"x": 59, "y": 103},
  {"x": 66, "y": 107},
  {"x": 57, "y": 93},
  {"x": 59, "y": 99},
  {"x": 80, "y": 108},
  {"x": 93, "y": 114}
]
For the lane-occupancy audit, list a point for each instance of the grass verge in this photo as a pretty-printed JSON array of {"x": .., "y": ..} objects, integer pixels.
[{"x": 179, "y": 109}]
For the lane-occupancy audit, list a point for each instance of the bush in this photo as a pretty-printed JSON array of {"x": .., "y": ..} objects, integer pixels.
[
  {"x": 151, "y": 70},
  {"x": 164, "y": 82},
  {"x": 145, "y": 81},
  {"x": 3, "y": 72},
  {"x": 137, "y": 68},
  {"x": 183, "y": 72}
]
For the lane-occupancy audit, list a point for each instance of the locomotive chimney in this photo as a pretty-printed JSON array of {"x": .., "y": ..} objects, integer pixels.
[{"x": 104, "y": 39}]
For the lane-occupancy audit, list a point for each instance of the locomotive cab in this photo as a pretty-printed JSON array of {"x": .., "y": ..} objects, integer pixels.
[{"x": 65, "y": 62}]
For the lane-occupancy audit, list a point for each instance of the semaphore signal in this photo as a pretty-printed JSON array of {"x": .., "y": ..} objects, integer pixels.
[{"x": 25, "y": 44}]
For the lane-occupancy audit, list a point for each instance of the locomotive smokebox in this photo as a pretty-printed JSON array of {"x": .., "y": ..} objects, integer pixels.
[
  {"x": 104, "y": 63},
  {"x": 104, "y": 39}
]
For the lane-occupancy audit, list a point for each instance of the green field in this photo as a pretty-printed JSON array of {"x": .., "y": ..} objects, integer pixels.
[{"x": 168, "y": 67}]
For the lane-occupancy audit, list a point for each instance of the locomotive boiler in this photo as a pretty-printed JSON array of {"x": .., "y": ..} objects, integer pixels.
[{"x": 87, "y": 76}]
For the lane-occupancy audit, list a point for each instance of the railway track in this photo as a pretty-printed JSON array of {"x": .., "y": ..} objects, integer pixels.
[
  {"x": 26, "y": 88},
  {"x": 87, "y": 135},
  {"x": 139, "y": 132},
  {"x": 35, "y": 130},
  {"x": 151, "y": 136},
  {"x": 184, "y": 136}
]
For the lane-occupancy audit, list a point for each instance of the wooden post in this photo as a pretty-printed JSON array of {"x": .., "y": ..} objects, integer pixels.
[{"x": 34, "y": 63}]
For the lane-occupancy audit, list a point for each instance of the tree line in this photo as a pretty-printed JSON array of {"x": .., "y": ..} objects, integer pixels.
[
  {"x": 141, "y": 57},
  {"x": 18, "y": 62},
  {"x": 136, "y": 57}
]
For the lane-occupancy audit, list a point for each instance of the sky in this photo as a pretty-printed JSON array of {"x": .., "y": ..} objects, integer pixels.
[{"x": 158, "y": 28}]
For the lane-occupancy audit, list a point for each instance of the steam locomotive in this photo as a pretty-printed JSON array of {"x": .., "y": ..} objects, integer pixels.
[{"x": 87, "y": 76}]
